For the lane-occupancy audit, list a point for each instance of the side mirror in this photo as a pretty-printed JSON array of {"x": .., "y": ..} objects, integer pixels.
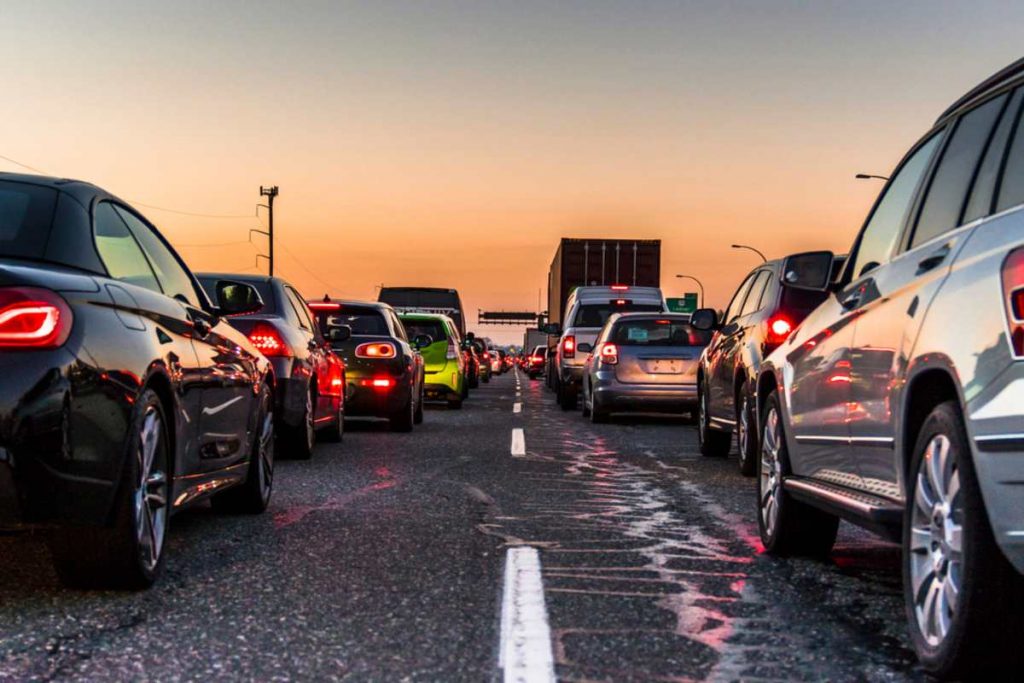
[
  {"x": 584, "y": 347},
  {"x": 340, "y": 333},
  {"x": 705, "y": 319},
  {"x": 470, "y": 336},
  {"x": 811, "y": 270},
  {"x": 237, "y": 298},
  {"x": 552, "y": 328},
  {"x": 421, "y": 341}
]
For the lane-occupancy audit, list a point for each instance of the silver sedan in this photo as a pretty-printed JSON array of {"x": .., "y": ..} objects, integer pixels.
[{"x": 642, "y": 362}]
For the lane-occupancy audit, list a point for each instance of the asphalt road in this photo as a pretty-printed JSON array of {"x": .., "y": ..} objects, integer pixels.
[{"x": 383, "y": 559}]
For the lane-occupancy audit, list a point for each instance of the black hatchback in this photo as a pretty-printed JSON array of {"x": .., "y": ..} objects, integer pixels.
[
  {"x": 762, "y": 314},
  {"x": 125, "y": 394}
]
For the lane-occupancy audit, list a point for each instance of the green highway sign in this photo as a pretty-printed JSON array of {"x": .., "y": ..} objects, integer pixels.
[{"x": 685, "y": 304}]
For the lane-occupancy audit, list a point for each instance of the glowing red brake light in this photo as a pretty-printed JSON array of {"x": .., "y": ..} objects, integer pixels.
[
  {"x": 268, "y": 340},
  {"x": 609, "y": 353},
  {"x": 569, "y": 347},
  {"x": 779, "y": 329},
  {"x": 33, "y": 318},
  {"x": 620, "y": 288},
  {"x": 376, "y": 350},
  {"x": 1013, "y": 291},
  {"x": 323, "y": 306},
  {"x": 378, "y": 382}
]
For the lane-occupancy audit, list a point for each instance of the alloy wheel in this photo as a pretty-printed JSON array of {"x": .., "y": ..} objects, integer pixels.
[
  {"x": 743, "y": 427},
  {"x": 151, "y": 494},
  {"x": 771, "y": 472},
  {"x": 936, "y": 540},
  {"x": 265, "y": 455},
  {"x": 310, "y": 420}
]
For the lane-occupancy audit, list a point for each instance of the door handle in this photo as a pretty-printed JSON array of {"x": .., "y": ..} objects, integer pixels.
[
  {"x": 933, "y": 260},
  {"x": 852, "y": 300},
  {"x": 200, "y": 325}
]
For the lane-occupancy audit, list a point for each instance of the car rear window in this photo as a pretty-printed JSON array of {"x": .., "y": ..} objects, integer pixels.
[
  {"x": 432, "y": 328},
  {"x": 26, "y": 218},
  {"x": 364, "y": 322},
  {"x": 209, "y": 285},
  {"x": 658, "y": 332},
  {"x": 596, "y": 315}
]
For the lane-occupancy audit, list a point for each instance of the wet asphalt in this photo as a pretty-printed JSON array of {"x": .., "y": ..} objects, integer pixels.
[{"x": 381, "y": 559}]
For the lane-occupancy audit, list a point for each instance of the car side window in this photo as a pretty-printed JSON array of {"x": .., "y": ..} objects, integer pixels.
[
  {"x": 947, "y": 191},
  {"x": 1011, "y": 187},
  {"x": 173, "y": 278},
  {"x": 120, "y": 253},
  {"x": 984, "y": 189},
  {"x": 733, "y": 311},
  {"x": 300, "y": 312},
  {"x": 753, "y": 300},
  {"x": 882, "y": 231},
  {"x": 398, "y": 326}
]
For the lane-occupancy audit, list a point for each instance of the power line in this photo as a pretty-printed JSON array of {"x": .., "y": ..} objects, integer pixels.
[
  {"x": 18, "y": 163},
  {"x": 210, "y": 244},
  {"x": 314, "y": 275}
]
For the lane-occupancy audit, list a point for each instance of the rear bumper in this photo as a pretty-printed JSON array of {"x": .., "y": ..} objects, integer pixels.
[
  {"x": 613, "y": 394},
  {"x": 290, "y": 394},
  {"x": 999, "y": 463},
  {"x": 445, "y": 383},
  {"x": 571, "y": 374}
]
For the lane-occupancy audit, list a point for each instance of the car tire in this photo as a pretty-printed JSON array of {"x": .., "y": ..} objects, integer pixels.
[
  {"x": 403, "y": 419},
  {"x": 335, "y": 433},
  {"x": 598, "y": 414},
  {"x": 570, "y": 397},
  {"x": 787, "y": 526},
  {"x": 586, "y": 407},
  {"x": 252, "y": 497},
  {"x": 978, "y": 633},
  {"x": 455, "y": 404},
  {"x": 713, "y": 442},
  {"x": 746, "y": 434},
  {"x": 417, "y": 416},
  {"x": 299, "y": 440},
  {"x": 129, "y": 555}
]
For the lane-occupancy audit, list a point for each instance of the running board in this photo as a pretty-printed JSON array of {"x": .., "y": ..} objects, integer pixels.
[{"x": 863, "y": 509}]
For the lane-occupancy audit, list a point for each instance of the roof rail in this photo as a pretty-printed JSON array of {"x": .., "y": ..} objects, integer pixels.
[{"x": 990, "y": 83}]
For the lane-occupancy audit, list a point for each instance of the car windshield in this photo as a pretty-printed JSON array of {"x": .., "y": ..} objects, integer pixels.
[
  {"x": 658, "y": 332},
  {"x": 364, "y": 322},
  {"x": 262, "y": 285},
  {"x": 434, "y": 329},
  {"x": 26, "y": 217},
  {"x": 596, "y": 315}
]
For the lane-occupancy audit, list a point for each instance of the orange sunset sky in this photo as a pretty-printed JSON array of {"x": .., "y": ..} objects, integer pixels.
[{"x": 453, "y": 143}]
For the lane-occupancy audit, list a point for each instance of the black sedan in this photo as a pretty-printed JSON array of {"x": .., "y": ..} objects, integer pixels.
[
  {"x": 310, "y": 377},
  {"x": 125, "y": 395},
  {"x": 383, "y": 367}
]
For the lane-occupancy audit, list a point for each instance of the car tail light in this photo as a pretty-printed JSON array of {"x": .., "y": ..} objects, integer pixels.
[
  {"x": 378, "y": 382},
  {"x": 569, "y": 347},
  {"x": 452, "y": 352},
  {"x": 779, "y": 329},
  {"x": 1013, "y": 292},
  {"x": 266, "y": 338},
  {"x": 609, "y": 354},
  {"x": 376, "y": 350},
  {"x": 323, "y": 306},
  {"x": 620, "y": 288},
  {"x": 32, "y": 318}
]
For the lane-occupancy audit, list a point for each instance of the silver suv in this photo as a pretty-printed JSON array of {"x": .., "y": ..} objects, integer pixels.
[
  {"x": 586, "y": 311},
  {"x": 898, "y": 404}
]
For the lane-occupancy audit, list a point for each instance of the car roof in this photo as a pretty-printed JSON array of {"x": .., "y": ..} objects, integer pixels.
[
  {"x": 591, "y": 293},
  {"x": 241, "y": 277},
  {"x": 425, "y": 316},
  {"x": 1010, "y": 74},
  {"x": 353, "y": 302},
  {"x": 79, "y": 189}
]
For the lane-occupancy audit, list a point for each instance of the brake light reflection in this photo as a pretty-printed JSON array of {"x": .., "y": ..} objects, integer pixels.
[{"x": 33, "y": 318}]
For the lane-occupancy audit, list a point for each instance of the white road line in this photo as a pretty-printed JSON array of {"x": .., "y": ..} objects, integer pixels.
[
  {"x": 518, "y": 442},
  {"x": 517, "y": 407},
  {"x": 525, "y": 655}
]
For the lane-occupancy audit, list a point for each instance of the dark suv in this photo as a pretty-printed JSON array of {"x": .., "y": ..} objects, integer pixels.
[{"x": 762, "y": 314}]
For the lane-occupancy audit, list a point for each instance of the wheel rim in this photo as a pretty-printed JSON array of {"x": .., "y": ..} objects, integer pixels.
[
  {"x": 936, "y": 540},
  {"x": 150, "y": 500},
  {"x": 771, "y": 474},
  {"x": 265, "y": 455},
  {"x": 743, "y": 428},
  {"x": 310, "y": 427},
  {"x": 702, "y": 416}
]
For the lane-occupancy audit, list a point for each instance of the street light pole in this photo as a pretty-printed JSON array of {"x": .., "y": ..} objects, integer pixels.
[
  {"x": 699, "y": 284},
  {"x": 744, "y": 246},
  {"x": 870, "y": 176}
]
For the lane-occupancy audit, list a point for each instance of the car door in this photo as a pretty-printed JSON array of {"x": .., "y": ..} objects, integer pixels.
[
  {"x": 227, "y": 372},
  {"x": 892, "y": 299},
  {"x": 721, "y": 355}
]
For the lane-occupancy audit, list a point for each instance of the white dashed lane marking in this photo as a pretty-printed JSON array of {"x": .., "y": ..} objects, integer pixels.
[
  {"x": 525, "y": 654},
  {"x": 517, "y": 407},
  {"x": 518, "y": 442}
]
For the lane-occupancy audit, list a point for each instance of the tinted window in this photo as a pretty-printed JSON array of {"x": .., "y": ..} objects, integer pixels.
[
  {"x": 980, "y": 204},
  {"x": 657, "y": 332},
  {"x": 299, "y": 306},
  {"x": 398, "y": 326},
  {"x": 596, "y": 315},
  {"x": 174, "y": 280},
  {"x": 363, "y": 321},
  {"x": 119, "y": 250},
  {"x": 883, "y": 229},
  {"x": 753, "y": 300},
  {"x": 1011, "y": 188},
  {"x": 435, "y": 329},
  {"x": 948, "y": 188},
  {"x": 733, "y": 311},
  {"x": 26, "y": 216},
  {"x": 209, "y": 285}
]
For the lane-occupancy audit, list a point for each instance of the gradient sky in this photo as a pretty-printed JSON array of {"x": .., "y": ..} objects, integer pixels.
[{"x": 453, "y": 143}]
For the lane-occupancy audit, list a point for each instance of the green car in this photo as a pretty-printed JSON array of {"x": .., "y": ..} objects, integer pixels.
[{"x": 438, "y": 341}]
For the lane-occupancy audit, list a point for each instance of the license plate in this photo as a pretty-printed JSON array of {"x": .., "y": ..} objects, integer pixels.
[{"x": 665, "y": 367}]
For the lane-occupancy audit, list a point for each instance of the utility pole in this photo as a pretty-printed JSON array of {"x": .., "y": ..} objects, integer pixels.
[{"x": 270, "y": 193}]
